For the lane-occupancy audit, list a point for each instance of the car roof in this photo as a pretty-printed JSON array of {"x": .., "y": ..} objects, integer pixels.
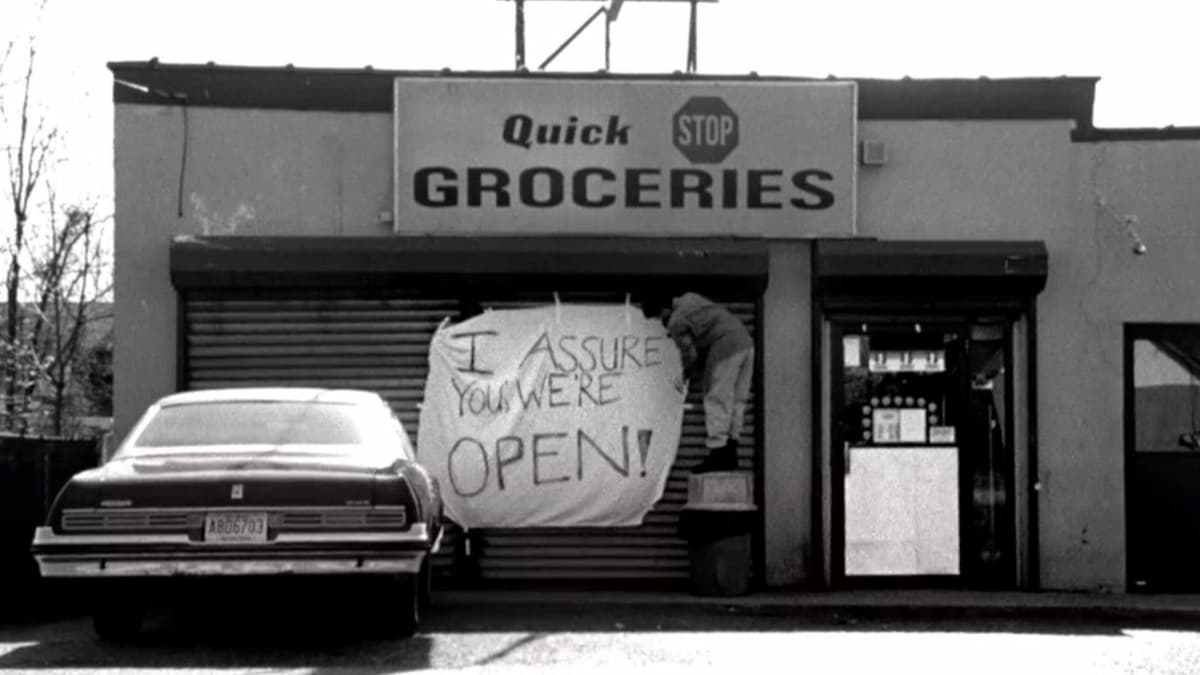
[{"x": 270, "y": 394}]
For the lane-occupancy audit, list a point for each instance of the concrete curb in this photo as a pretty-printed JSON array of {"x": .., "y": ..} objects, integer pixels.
[
  {"x": 935, "y": 612},
  {"x": 869, "y": 606}
]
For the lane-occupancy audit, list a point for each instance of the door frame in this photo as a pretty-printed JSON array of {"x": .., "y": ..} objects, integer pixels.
[
  {"x": 1019, "y": 320},
  {"x": 1180, "y": 463}
]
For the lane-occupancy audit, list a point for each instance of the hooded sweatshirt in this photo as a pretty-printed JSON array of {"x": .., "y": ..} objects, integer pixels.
[{"x": 705, "y": 329}]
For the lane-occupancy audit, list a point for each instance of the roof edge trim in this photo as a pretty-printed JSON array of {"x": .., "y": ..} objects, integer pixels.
[{"x": 370, "y": 90}]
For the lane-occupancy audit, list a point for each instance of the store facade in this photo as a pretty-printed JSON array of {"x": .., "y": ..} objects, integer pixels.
[{"x": 937, "y": 297}]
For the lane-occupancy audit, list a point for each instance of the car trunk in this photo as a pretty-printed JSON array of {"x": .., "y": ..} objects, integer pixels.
[{"x": 270, "y": 478}]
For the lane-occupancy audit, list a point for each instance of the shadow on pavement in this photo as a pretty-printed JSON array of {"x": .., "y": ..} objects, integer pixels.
[
  {"x": 216, "y": 633},
  {"x": 320, "y": 634},
  {"x": 28, "y": 599}
]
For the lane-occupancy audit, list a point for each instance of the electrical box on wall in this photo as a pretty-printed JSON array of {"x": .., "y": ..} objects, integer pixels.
[{"x": 873, "y": 153}]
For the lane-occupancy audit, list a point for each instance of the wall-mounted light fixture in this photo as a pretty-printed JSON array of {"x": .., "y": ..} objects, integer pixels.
[{"x": 1128, "y": 220}]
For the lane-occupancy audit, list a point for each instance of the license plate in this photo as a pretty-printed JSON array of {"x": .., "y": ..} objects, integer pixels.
[{"x": 235, "y": 527}]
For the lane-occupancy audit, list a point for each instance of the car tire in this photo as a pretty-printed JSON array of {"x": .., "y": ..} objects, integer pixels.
[
  {"x": 408, "y": 604},
  {"x": 425, "y": 586},
  {"x": 118, "y": 619}
]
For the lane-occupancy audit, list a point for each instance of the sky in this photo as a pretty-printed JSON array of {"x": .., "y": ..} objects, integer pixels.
[{"x": 1144, "y": 52}]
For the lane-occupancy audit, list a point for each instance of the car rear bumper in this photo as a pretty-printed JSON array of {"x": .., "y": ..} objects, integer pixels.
[
  {"x": 90, "y": 567},
  {"x": 131, "y": 555}
]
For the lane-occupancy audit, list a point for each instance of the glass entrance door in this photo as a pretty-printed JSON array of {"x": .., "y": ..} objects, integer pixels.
[{"x": 922, "y": 473}]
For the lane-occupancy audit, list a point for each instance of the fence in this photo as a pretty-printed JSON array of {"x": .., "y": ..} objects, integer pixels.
[{"x": 32, "y": 470}]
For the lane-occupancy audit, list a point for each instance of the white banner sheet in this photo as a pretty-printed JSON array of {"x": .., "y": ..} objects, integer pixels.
[{"x": 555, "y": 416}]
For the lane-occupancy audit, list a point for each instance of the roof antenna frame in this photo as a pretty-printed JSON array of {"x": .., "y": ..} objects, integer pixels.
[{"x": 610, "y": 13}]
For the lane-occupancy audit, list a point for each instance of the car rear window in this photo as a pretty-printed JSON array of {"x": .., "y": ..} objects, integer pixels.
[{"x": 260, "y": 422}]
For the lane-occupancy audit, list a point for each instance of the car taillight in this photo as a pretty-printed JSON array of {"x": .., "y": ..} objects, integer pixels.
[
  {"x": 393, "y": 490},
  {"x": 74, "y": 495}
]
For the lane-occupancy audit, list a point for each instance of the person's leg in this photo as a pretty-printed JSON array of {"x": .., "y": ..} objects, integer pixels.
[
  {"x": 720, "y": 389},
  {"x": 741, "y": 393}
]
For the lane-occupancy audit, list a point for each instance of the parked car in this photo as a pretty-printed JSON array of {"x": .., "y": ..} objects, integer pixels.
[{"x": 249, "y": 483}]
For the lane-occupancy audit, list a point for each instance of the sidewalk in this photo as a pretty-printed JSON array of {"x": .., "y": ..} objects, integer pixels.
[{"x": 897, "y": 604}]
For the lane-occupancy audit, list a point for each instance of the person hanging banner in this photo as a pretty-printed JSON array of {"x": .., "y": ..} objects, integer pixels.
[{"x": 555, "y": 416}]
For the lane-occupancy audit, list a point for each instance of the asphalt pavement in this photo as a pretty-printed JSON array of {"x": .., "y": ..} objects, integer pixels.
[{"x": 527, "y": 632}]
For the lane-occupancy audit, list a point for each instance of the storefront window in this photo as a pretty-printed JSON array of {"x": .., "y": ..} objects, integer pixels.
[
  {"x": 926, "y": 470},
  {"x": 1166, "y": 390},
  {"x": 901, "y": 461}
]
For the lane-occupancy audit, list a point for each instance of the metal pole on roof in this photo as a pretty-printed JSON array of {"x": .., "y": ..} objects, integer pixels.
[
  {"x": 614, "y": 10},
  {"x": 564, "y": 45},
  {"x": 520, "y": 20},
  {"x": 607, "y": 40},
  {"x": 691, "y": 54}
]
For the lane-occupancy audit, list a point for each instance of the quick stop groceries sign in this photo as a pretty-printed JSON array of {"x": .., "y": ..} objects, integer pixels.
[
  {"x": 566, "y": 415},
  {"x": 650, "y": 158}
]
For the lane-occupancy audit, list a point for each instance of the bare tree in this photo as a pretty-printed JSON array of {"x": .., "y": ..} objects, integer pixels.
[
  {"x": 71, "y": 286},
  {"x": 56, "y": 262},
  {"x": 4, "y": 57},
  {"x": 28, "y": 156}
]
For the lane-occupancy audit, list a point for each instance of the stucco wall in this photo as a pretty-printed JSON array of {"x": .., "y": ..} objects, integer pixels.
[
  {"x": 787, "y": 413},
  {"x": 1104, "y": 286},
  {"x": 249, "y": 172},
  {"x": 1026, "y": 180}
]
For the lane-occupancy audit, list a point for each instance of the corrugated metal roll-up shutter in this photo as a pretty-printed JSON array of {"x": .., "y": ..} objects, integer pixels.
[
  {"x": 380, "y": 342},
  {"x": 652, "y": 552},
  {"x": 355, "y": 339}
]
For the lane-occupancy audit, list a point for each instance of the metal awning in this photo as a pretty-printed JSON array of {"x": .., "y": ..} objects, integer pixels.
[
  {"x": 931, "y": 268},
  {"x": 463, "y": 263}
]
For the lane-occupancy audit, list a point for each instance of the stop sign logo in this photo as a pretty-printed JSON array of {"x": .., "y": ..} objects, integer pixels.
[{"x": 705, "y": 130}]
